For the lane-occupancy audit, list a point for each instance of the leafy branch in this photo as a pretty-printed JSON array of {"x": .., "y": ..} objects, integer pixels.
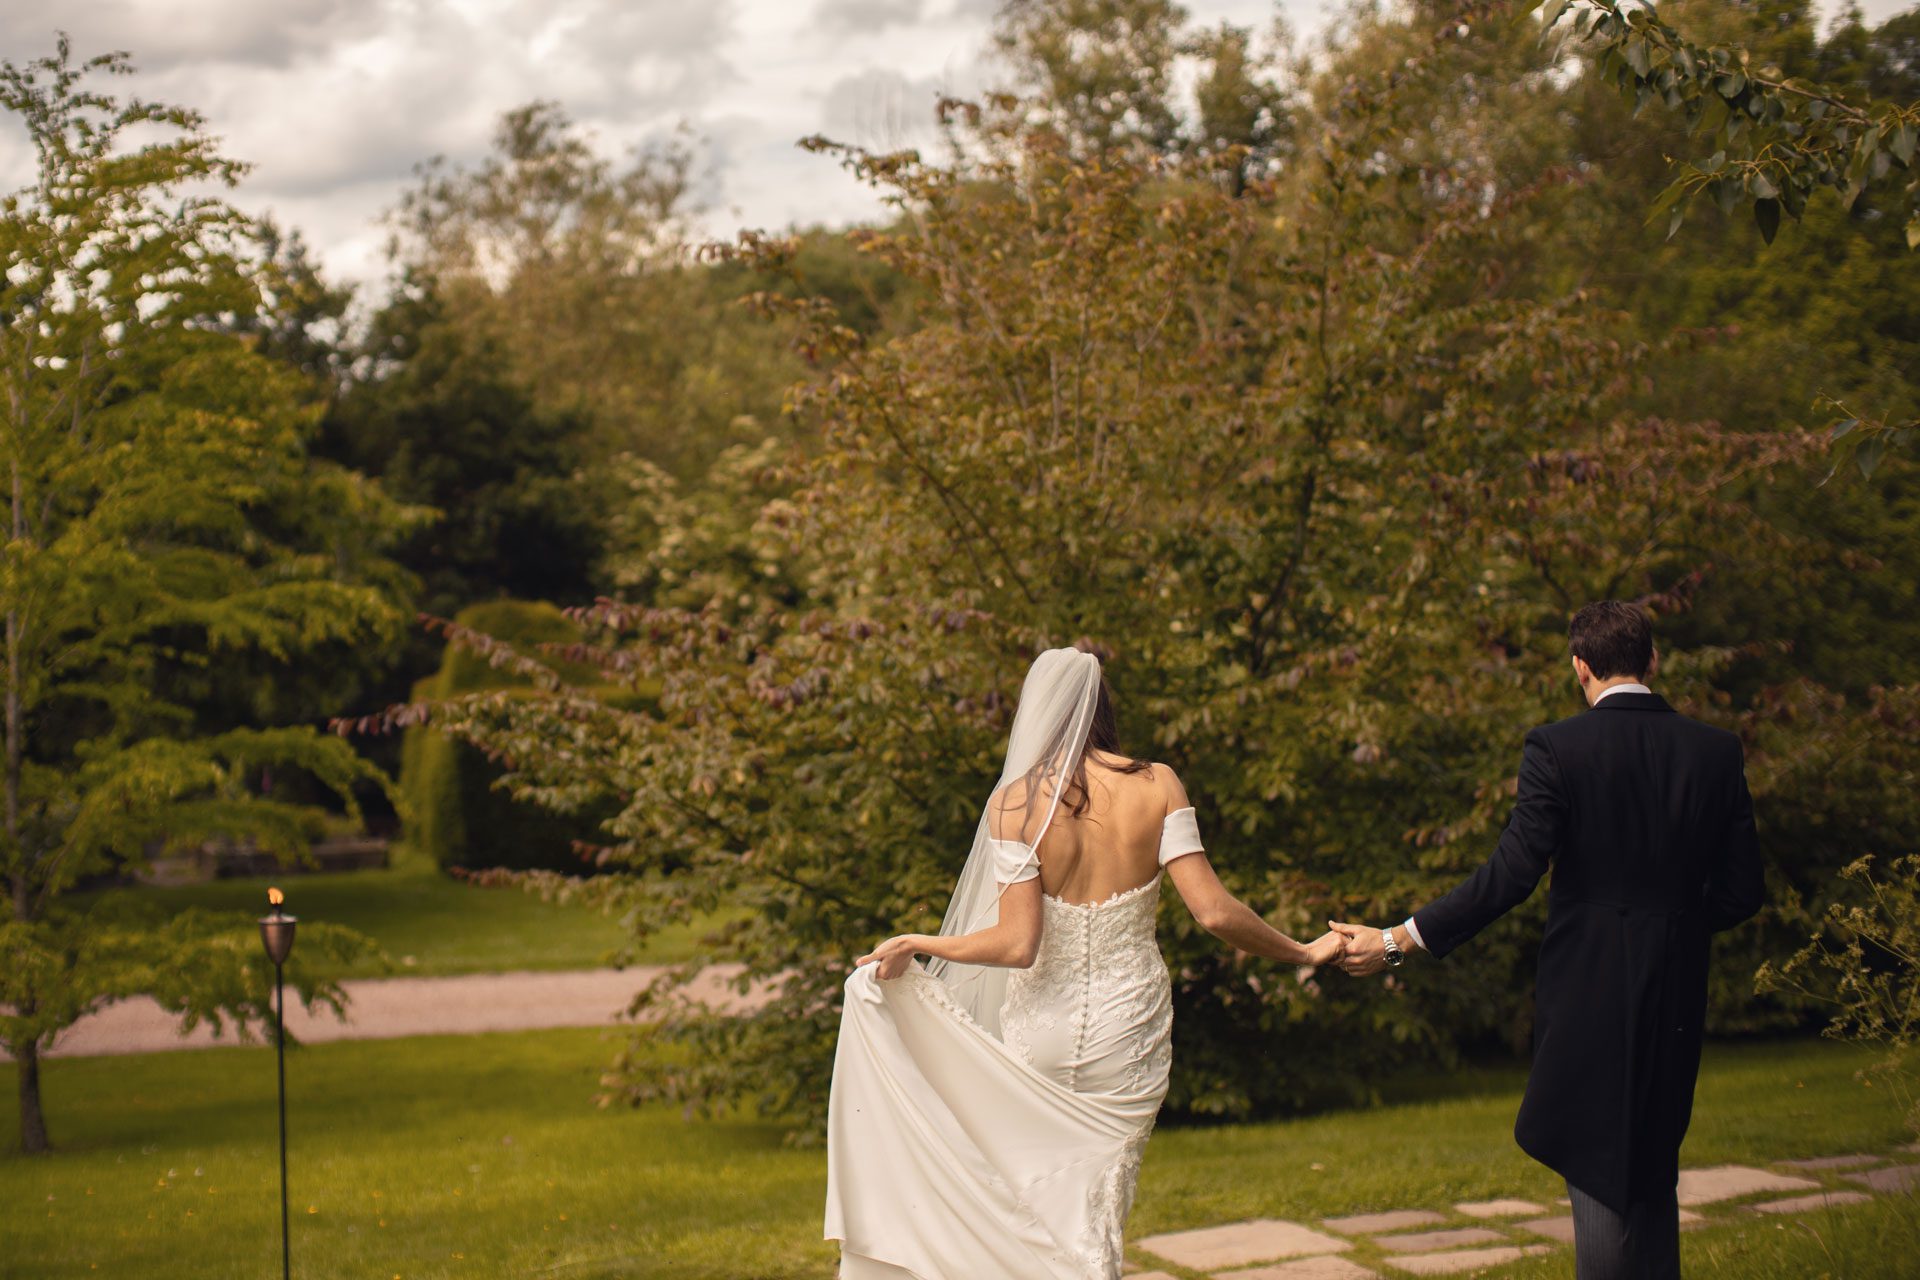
[
  {"x": 1863, "y": 439},
  {"x": 1775, "y": 139}
]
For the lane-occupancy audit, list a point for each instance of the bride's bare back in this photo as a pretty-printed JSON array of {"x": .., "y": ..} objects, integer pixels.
[{"x": 1113, "y": 845}]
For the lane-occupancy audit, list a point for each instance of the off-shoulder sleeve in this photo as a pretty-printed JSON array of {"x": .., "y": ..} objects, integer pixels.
[
  {"x": 1013, "y": 861},
  {"x": 1180, "y": 835}
]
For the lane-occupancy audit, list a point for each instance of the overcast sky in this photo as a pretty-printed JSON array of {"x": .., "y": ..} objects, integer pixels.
[{"x": 334, "y": 101}]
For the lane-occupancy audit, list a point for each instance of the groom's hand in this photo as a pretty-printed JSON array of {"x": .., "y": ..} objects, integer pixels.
[{"x": 1366, "y": 954}]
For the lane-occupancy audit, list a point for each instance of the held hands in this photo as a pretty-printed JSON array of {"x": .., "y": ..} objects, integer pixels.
[
  {"x": 1365, "y": 952},
  {"x": 893, "y": 956},
  {"x": 1326, "y": 949}
]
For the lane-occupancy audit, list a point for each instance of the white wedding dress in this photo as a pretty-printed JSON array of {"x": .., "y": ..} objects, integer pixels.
[{"x": 954, "y": 1154}]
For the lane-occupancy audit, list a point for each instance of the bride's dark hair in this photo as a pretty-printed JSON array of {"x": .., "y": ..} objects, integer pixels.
[{"x": 1103, "y": 735}]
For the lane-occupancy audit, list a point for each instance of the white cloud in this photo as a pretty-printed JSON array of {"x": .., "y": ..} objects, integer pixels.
[
  {"x": 868, "y": 15},
  {"x": 197, "y": 33}
]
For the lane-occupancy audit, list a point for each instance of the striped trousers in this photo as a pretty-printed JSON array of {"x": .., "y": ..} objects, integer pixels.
[{"x": 1641, "y": 1244}]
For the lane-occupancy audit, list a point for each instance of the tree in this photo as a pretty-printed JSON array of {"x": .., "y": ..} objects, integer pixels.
[
  {"x": 1747, "y": 336},
  {"x": 1100, "y": 70},
  {"x": 1863, "y": 963},
  {"x": 164, "y": 516},
  {"x": 1777, "y": 138},
  {"x": 1239, "y": 107},
  {"x": 302, "y": 319},
  {"x": 575, "y": 275},
  {"x": 1104, "y": 74},
  {"x": 1758, "y": 337},
  {"x": 1317, "y": 484},
  {"x": 441, "y": 421}
]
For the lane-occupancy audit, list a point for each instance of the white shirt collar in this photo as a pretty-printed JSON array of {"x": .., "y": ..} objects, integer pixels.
[{"x": 1620, "y": 688}]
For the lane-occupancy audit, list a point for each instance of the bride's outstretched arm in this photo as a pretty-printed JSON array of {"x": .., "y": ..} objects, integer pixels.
[
  {"x": 1012, "y": 943},
  {"x": 1238, "y": 925}
]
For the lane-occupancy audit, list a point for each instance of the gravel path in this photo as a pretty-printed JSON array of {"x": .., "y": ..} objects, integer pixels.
[{"x": 388, "y": 1008}]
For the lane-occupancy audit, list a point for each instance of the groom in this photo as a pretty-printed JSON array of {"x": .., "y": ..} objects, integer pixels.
[{"x": 1644, "y": 817}]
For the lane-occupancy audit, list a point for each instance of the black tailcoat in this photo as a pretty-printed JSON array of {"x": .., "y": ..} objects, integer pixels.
[{"x": 1645, "y": 819}]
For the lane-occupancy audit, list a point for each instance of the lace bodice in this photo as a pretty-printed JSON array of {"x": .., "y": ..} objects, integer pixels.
[{"x": 1095, "y": 1011}]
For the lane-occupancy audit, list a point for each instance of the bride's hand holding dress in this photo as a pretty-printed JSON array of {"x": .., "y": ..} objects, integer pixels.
[{"x": 1012, "y": 943}]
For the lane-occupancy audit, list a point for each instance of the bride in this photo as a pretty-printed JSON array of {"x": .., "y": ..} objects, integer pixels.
[{"x": 990, "y": 1107}]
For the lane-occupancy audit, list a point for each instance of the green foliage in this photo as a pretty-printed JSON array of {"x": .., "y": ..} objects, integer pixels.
[
  {"x": 1748, "y": 335},
  {"x": 440, "y": 421},
  {"x": 1240, "y": 110},
  {"x": 1322, "y": 487},
  {"x": 1830, "y": 314},
  {"x": 201, "y": 966},
  {"x": 1863, "y": 441},
  {"x": 166, "y": 524},
  {"x": 455, "y": 813},
  {"x": 1318, "y": 433},
  {"x": 1864, "y": 959},
  {"x": 1103, "y": 75},
  {"x": 1776, "y": 138},
  {"x": 433, "y": 820},
  {"x": 686, "y": 544},
  {"x": 574, "y": 275},
  {"x": 1101, "y": 70}
]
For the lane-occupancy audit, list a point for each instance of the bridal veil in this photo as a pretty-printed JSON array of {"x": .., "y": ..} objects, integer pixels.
[{"x": 1049, "y": 734}]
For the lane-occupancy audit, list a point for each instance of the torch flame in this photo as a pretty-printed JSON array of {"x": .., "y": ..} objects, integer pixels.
[{"x": 275, "y": 897}]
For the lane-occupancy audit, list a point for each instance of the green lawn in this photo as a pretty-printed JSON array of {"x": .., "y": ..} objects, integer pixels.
[
  {"x": 482, "y": 1156},
  {"x": 430, "y": 923}
]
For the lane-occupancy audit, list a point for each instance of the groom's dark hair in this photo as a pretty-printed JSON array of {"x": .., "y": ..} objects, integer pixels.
[{"x": 1612, "y": 637}]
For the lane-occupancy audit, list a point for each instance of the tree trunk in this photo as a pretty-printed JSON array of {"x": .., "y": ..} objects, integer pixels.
[{"x": 33, "y": 1122}]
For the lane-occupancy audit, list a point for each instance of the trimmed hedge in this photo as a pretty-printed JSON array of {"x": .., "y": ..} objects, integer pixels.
[{"x": 455, "y": 814}]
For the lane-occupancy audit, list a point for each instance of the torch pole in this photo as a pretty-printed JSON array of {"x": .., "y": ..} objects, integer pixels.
[
  {"x": 280, "y": 1052},
  {"x": 276, "y": 935}
]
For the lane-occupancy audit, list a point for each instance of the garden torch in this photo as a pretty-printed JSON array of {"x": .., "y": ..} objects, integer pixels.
[{"x": 276, "y": 933}]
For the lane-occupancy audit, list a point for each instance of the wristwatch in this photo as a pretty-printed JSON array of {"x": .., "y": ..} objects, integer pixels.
[{"x": 1395, "y": 956}]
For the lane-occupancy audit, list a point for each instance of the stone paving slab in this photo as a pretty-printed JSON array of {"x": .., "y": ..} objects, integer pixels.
[
  {"x": 1833, "y": 1162},
  {"x": 1731, "y": 1181},
  {"x": 1560, "y": 1228},
  {"x": 1440, "y": 1264},
  {"x": 1899, "y": 1177},
  {"x": 1366, "y": 1224},
  {"x": 1499, "y": 1208},
  {"x": 1820, "y": 1200},
  {"x": 1240, "y": 1243},
  {"x": 1326, "y": 1266},
  {"x": 1423, "y": 1241}
]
